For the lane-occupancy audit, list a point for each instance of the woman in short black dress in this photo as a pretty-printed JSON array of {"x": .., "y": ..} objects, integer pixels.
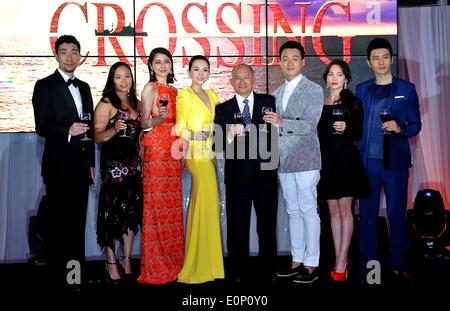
[{"x": 343, "y": 177}]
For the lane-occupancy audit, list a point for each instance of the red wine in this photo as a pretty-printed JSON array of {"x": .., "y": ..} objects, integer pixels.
[
  {"x": 85, "y": 118},
  {"x": 164, "y": 102},
  {"x": 338, "y": 115},
  {"x": 338, "y": 118},
  {"x": 385, "y": 117},
  {"x": 239, "y": 118}
]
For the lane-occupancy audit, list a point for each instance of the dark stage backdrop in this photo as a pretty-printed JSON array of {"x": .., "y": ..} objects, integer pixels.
[{"x": 230, "y": 32}]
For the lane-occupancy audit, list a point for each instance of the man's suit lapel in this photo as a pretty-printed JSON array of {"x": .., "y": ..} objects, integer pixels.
[
  {"x": 279, "y": 100},
  {"x": 257, "y": 109},
  {"x": 234, "y": 108},
  {"x": 63, "y": 90},
  {"x": 392, "y": 94},
  {"x": 294, "y": 102},
  {"x": 84, "y": 97},
  {"x": 371, "y": 94}
]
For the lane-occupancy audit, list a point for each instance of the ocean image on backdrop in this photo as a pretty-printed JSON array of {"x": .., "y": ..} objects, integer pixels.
[{"x": 18, "y": 75}]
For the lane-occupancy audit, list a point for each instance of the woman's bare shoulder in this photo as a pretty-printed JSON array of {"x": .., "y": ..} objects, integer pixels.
[{"x": 149, "y": 87}]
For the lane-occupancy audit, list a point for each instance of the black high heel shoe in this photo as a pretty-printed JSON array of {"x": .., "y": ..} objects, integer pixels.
[
  {"x": 109, "y": 279},
  {"x": 123, "y": 259},
  {"x": 128, "y": 276}
]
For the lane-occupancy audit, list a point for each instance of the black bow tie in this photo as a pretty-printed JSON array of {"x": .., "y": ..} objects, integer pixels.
[{"x": 75, "y": 82}]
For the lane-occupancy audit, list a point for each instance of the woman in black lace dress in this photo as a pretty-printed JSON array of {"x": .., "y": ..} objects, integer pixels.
[
  {"x": 117, "y": 128},
  {"x": 342, "y": 177}
]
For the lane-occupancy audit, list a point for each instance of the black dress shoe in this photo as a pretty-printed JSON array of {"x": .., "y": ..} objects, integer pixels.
[
  {"x": 289, "y": 271},
  {"x": 306, "y": 277}
]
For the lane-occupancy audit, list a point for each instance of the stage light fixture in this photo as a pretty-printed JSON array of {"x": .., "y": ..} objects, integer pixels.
[
  {"x": 429, "y": 214},
  {"x": 430, "y": 223}
]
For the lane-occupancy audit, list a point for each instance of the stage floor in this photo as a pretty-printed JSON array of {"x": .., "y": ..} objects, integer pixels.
[
  {"x": 30, "y": 278},
  {"x": 428, "y": 273}
]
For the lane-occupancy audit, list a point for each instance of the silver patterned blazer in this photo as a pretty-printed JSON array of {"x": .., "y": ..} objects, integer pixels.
[{"x": 298, "y": 140}]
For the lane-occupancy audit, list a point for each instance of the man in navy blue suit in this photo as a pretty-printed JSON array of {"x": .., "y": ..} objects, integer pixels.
[{"x": 386, "y": 153}]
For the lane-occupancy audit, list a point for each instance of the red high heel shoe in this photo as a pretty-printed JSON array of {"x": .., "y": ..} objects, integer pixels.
[
  {"x": 340, "y": 276},
  {"x": 332, "y": 272}
]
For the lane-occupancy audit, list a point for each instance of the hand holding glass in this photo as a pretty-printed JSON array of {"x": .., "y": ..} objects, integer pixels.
[
  {"x": 164, "y": 99},
  {"x": 264, "y": 110},
  {"x": 85, "y": 117},
  {"x": 239, "y": 119},
  {"x": 126, "y": 118},
  {"x": 338, "y": 115},
  {"x": 206, "y": 132},
  {"x": 385, "y": 115}
]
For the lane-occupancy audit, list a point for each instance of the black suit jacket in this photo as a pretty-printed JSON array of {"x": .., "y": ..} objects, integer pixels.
[
  {"x": 248, "y": 170},
  {"x": 55, "y": 111}
]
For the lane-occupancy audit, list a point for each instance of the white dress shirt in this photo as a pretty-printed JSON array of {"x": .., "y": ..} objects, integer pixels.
[
  {"x": 289, "y": 87},
  {"x": 241, "y": 104},
  {"x": 75, "y": 95},
  {"x": 240, "y": 101}
]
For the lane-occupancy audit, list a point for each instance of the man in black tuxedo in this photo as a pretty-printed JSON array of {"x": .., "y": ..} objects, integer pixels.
[
  {"x": 68, "y": 161},
  {"x": 250, "y": 173}
]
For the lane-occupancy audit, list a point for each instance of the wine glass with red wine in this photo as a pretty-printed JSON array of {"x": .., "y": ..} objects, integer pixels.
[
  {"x": 239, "y": 119},
  {"x": 121, "y": 115},
  {"x": 85, "y": 117},
  {"x": 338, "y": 115},
  {"x": 163, "y": 99},
  {"x": 385, "y": 115}
]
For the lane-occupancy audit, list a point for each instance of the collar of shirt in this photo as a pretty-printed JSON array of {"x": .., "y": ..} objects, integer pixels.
[
  {"x": 241, "y": 105},
  {"x": 74, "y": 91},
  {"x": 64, "y": 75},
  {"x": 289, "y": 86}
]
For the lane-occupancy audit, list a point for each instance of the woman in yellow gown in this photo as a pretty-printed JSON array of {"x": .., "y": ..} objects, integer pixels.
[{"x": 203, "y": 259}]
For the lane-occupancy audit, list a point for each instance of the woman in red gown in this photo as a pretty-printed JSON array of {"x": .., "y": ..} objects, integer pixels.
[{"x": 162, "y": 250}]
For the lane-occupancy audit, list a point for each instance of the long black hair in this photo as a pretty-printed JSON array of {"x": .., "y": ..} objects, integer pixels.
[
  {"x": 110, "y": 91},
  {"x": 347, "y": 98},
  {"x": 151, "y": 57}
]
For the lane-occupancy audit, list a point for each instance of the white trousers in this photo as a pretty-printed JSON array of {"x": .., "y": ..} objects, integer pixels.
[{"x": 300, "y": 198}]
